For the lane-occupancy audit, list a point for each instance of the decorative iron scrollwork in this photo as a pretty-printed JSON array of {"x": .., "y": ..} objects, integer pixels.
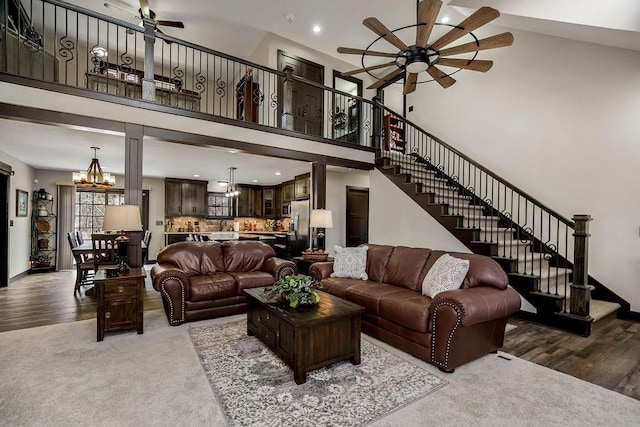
[
  {"x": 221, "y": 87},
  {"x": 201, "y": 82},
  {"x": 274, "y": 100},
  {"x": 67, "y": 47},
  {"x": 256, "y": 96}
]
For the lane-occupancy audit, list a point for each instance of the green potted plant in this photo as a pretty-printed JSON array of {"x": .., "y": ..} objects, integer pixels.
[{"x": 297, "y": 290}]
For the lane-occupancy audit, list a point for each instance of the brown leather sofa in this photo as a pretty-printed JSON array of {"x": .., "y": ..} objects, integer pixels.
[
  {"x": 201, "y": 280},
  {"x": 453, "y": 328}
]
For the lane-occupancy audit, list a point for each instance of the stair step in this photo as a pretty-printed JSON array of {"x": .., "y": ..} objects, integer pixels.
[
  {"x": 470, "y": 210},
  {"x": 480, "y": 221},
  {"x": 417, "y": 170},
  {"x": 452, "y": 199},
  {"x": 599, "y": 309}
]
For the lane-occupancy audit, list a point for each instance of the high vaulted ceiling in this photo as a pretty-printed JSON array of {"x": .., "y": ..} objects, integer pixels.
[{"x": 238, "y": 26}]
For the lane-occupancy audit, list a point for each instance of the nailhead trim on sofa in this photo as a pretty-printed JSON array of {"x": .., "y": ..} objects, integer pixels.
[
  {"x": 172, "y": 321},
  {"x": 433, "y": 336}
]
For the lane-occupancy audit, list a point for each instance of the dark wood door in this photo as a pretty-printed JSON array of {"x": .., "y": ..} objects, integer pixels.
[
  {"x": 5, "y": 171},
  {"x": 357, "y": 216},
  {"x": 308, "y": 105}
]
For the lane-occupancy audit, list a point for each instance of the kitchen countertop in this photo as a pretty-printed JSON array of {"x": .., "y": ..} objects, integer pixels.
[{"x": 240, "y": 232}]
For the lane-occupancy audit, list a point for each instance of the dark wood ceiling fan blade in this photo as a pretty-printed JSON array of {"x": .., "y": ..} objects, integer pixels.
[
  {"x": 378, "y": 27},
  {"x": 441, "y": 77},
  {"x": 410, "y": 84},
  {"x": 466, "y": 64},
  {"x": 389, "y": 78},
  {"x": 373, "y": 67},
  {"x": 479, "y": 18},
  {"x": 144, "y": 7},
  {"x": 176, "y": 24},
  {"x": 427, "y": 14},
  {"x": 352, "y": 51},
  {"x": 500, "y": 40}
]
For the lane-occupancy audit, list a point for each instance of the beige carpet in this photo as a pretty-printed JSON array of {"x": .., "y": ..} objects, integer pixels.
[{"x": 59, "y": 375}]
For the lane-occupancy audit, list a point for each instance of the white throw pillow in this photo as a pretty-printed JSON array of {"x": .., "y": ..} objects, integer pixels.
[
  {"x": 350, "y": 263},
  {"x": 445, "y": 274}
]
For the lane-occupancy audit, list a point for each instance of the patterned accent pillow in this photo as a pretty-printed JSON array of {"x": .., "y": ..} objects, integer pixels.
[
  {"x": 445, "y": 274},
  {"x": 350, "y": 263}
]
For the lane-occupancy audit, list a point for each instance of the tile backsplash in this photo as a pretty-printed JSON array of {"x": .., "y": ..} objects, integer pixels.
[{"x": 197, "y": 224}]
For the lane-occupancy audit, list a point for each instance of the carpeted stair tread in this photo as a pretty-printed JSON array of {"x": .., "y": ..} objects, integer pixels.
[{"x": 599, "y": 309}]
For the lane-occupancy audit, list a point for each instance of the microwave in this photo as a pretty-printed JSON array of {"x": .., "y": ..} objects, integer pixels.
[{"x": 286, "y": 210}]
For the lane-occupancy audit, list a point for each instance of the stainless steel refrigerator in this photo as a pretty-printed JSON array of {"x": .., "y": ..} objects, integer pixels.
[{"x": 299, "y": 238}]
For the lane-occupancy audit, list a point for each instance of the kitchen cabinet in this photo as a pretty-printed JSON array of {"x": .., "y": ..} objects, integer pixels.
[
  {"x": 302, "y": 186},
  {"x": 268, "y": 202},
  {"x": 287, "y": 191},
  {"x": 185, "y": 197},
  {"x": 219, "y": 206},
  {"x": 278, "y": 202},
  {"x": 250, "y": 201}
]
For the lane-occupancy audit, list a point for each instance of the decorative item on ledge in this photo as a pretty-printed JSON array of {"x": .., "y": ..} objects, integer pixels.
[
  {"x": 122, "y": 218},
  {"x": 94, "y": 177},
  {"x": 315, "y": 255},
  {"x": 296, "y": 291}
]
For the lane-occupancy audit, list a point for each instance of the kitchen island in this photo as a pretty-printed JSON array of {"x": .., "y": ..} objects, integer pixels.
[{"x": 278, "y": 240}]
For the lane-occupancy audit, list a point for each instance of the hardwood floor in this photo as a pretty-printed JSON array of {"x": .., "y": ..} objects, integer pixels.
[
  {"x": 47, "y": 299},
  {"x": 610, "y": 357}
]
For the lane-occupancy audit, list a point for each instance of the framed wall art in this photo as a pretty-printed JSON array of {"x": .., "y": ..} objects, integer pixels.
[{"x": 22, "y": 202}]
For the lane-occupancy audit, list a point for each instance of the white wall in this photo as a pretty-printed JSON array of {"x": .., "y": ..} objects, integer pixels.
[
  {"x": 20, "y": 234},
  {"x": 395, "y": 219},
  {"x": 559, "y": 119},
  {"x": 337, "y": 182}
]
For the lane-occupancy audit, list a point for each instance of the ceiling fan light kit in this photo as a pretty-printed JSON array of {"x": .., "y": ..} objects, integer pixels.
[{"x": 422, "y": 56}]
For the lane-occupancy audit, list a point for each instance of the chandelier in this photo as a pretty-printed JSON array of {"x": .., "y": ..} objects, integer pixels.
[
  {"x": 232, "y": 187},
  {"x": 94, "y": 177}
]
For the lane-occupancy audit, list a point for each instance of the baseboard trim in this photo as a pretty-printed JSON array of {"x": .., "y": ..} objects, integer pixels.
[
  {"x": 633, "y": 316},
  {"x": 18, "y": 276}
]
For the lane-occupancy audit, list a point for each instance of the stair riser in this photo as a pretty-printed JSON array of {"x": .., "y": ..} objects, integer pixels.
[{"x": 483, "y": 222}]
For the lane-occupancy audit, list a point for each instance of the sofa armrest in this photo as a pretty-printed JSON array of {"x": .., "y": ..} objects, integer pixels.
[
  {"x": 468, "y": 323},
  {"x": 279, "y": 267},
  {"x": 321, "y": 270},
  {"x": 173, "y": 285},
  {"x": 479, "y": 304}
]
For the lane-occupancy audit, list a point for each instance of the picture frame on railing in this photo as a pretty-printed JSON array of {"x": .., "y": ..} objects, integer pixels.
[{"x": 22, "y": 203}]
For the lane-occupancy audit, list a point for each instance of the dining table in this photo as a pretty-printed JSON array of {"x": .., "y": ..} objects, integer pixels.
[{"x": 86, "y": 248}]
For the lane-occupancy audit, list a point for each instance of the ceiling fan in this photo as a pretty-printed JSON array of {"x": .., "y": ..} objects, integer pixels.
[
  {"x": 145, "y": 12},
  {"x": 423, "y": 55}
]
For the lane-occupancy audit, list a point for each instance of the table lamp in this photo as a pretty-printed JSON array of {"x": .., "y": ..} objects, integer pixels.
[
  {"x": 320, "y": 220},
  {"x": 121, "y": 218}
]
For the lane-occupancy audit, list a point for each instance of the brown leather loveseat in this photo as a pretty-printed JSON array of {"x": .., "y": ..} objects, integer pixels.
[
  {"x": 201, "y": 280},
  {"x": 453, "y": 328}
]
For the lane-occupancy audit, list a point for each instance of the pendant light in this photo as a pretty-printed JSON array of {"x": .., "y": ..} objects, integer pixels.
[
  {"x": 94, "y": 177},
  {"x": 232, "y": 188}
]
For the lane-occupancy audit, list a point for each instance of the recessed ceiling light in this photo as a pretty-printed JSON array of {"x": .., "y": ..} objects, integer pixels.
[
  {"x": 445, "y": 19},
  {"x": 278, "y": 173},
  {"x": 254, "y": 180},
  {"x": 317, "y": 28},
  {"x": 196, "y": 176},
  {"x": 223, "y": 183},
  {"x": 233, "y": 151}
]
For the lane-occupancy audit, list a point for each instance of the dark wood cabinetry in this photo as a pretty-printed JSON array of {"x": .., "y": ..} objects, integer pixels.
[
  {"x": 302, "y": 186},
  {"x": 394, "y": 138},
  {"x": 185, "y": 197},
  {"x": 250, "y": 201},
  {"x": 268, "y": 202},
  {"x": 287, "y": 191},
  {"x": 219, "y": 206},
  {"x": 120, "y": 301}
]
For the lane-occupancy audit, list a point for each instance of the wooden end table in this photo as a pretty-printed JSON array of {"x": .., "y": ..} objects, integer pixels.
[
  {"x": 308, "y": 338},
  {"x": 305, "y": 264},
  {"x": 120, "y": 301}
]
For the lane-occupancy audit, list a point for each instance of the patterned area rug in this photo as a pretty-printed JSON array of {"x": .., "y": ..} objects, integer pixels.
[{"x": 255, "y": 388}]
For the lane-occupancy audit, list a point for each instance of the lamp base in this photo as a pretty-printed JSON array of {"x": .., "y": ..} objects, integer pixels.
[{"x": 123, "y": 249}]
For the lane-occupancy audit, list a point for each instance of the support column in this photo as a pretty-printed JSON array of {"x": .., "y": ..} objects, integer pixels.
[
  {"x": 148, "y": 83},
  {"x": 319, "y": 183},
  {"x": 580, "y": 298},
  {"x": 133, "y": 185},
  {"x": 287, "y": 99}
]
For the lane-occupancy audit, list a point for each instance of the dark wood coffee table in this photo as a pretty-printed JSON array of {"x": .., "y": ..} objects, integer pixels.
[{"x": 308, "y": 338}]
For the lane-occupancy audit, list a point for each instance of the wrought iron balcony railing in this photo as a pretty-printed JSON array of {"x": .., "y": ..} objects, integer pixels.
[{"x": 58, "y": 42}]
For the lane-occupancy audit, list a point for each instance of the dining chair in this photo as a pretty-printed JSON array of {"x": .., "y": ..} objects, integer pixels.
[
  {"x": 79, "y": 237},
  {"x": 84, "y": 269},
  {"x": 105, "y": 249},
  {"x": 145, "y": 249}
]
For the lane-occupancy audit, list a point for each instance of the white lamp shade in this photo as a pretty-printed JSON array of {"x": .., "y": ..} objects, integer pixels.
[
  {"x": 122, "y": 218},
  {"x": 321, "y": 218}
]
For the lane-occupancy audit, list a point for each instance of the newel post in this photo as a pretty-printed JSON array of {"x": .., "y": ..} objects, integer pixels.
[
  {"x": 287, "y": 98},
  {"x": 580, "y": 291},
  {"x": 148, "y": 81}
]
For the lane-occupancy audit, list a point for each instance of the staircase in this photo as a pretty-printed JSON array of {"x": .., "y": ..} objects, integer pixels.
[{"x": 533, "y": 244}]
